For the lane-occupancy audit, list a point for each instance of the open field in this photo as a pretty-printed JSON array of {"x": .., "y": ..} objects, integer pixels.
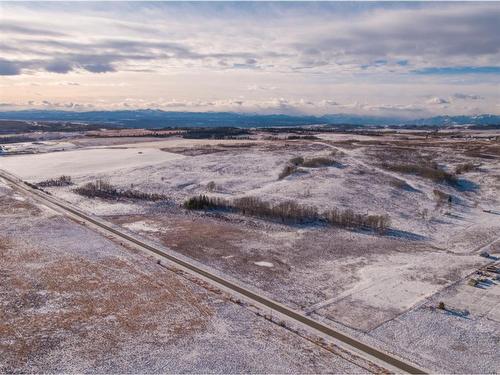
[
  {"x": 383, "y": 287},
  {"x": 68, "y": 292}
]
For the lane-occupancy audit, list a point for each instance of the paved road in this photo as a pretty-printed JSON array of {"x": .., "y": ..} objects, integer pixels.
[{"x": 378, "y": 356}]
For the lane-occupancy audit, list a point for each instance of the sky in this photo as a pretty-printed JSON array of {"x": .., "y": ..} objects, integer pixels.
[{"x": 403, "y": 59}]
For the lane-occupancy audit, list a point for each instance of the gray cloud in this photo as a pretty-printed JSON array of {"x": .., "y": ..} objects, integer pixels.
[
  {"x": 6, "y": 27},
  {"x": 99, "y": 68},
  {"x": 63, "y": 56},
  {"x": 459, "y": 95},
  {"x": 59, "y": 66},
  {"x": 430, "y": 34},
  {"x": 422, "y": 36}
]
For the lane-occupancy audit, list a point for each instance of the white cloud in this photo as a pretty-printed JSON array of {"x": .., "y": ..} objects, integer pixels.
[{"x": 436, "y": 101}]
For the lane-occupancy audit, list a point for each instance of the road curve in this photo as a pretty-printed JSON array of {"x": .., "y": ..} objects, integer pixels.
[{"x": 400, "y": 364}]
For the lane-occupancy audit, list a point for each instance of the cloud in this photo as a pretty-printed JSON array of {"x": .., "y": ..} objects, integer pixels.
[
  {"x": 48, "y": 104},
  {"x": 99, "y": 68},
  {"x": 459, "y": 95},
  {"x": 437, "y": 101},
  {"x": 255, "y": 87},
  {"x": 63, "y": 56},
  {"x": 452, "y": 70},
  {"x": 59, "y": 66},
  {"x": 383, "y": 37},
  {"x": 12, "y": 28}
]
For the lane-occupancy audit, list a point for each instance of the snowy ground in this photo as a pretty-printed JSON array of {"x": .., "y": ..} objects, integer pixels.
[
  {"x": 74, "y": 302},
  {"x": 374, "y": 285},
  {"x": 84, "y": 162}
]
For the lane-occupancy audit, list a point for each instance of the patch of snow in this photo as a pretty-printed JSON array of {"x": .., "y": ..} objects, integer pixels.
[
  {"x": 142, "y": 226},
  {"x": 84, "y": 162},
  {"x": 264, "y": 264}
]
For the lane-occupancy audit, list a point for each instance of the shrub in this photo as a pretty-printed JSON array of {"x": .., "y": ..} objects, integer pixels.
[
  {"x": 441, "y": 306},
  {"x": 298, "y": 137},
  {"x": 317, "y": 162},
  {"x": 442, "y": 197},
  {"x": 287, "y": 171},
  {"x": 211, "y": 186},
  {"x": 60, "y": 181},
  {"x": 463, "y": 168},
  {"x": 337, "y": 153},
  {"x": 103, "y": 189},
  {"x": 430, "y": 171},
  {"x": 298, "y": 160},
  {"x": 473, "y": 282},
  {"x": 203, "y": 202},
  {"x": 398, "y": 183}
]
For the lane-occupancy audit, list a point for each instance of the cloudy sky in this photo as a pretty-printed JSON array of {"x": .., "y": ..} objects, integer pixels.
[{"x": 398, "y": 59}]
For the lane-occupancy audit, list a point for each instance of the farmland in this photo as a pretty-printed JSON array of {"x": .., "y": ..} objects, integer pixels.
[{"x": 382, "y": 286}]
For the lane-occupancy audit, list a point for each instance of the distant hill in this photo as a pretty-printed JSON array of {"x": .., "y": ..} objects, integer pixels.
[{"x": 149, "y": 118}]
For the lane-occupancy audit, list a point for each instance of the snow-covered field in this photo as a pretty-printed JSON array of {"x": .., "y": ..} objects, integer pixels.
[
  {"x": 36, "y": 167},
  {"x": 72, "y": 301},
  {"x": 375, "y": 285}
]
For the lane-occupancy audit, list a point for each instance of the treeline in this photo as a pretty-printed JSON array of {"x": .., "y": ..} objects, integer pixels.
[
  {"x": 15, "y": 139},
  {"x": 29, "y": 126},
  {"x": 132, "y": 135},
  {"x": 294, "y": 163},
  {"x": 290, "y": 211},
  {"x": 299, "y": 137},
  {"x": 428, "y": 170},
  {"x": 105, "y": 190},
  {"x": 60, "y": 181},
  {"x": 216, "y": 133},
  {"x": 350, "y": 219}
]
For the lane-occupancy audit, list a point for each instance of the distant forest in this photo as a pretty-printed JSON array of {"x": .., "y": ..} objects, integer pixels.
[{"x": 149, "y": 119}]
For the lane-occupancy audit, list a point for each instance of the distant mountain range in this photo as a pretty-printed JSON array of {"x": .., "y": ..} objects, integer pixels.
[{"x": 149, "y": 118}]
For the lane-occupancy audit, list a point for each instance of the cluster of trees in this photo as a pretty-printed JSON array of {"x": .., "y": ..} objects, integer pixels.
[
  {"x": 284, "y": 211},
  {"x": 103, "y": 189},
  {"x": 317, "y": 162},
  {"x": 298, "y": 137},
  {"x": 290, "y": 211},
  {"x": 15, "y": 139},
  {"x": 60, "y": 181},
  {"x": 430, "y": 170},
  {"x": 155, "y": 134},
  {"x": 294, "y": 163},
  {"x": 216, "y": 133},
  {"x": 203, "y": 202},
  {"x": 350, "y": 219}
]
